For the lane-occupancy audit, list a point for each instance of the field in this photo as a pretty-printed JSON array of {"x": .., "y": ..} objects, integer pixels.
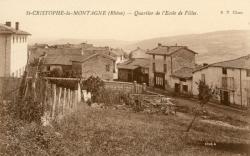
[{"x": 92, "y": 131}]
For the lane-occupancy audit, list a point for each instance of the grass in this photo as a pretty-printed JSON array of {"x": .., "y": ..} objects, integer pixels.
[
  {"x": 112, "y": 132},
  {"x": 91, "y": 131}
]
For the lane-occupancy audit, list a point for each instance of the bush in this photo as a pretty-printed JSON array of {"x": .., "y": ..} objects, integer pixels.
[{"x": 94, "y": 85}]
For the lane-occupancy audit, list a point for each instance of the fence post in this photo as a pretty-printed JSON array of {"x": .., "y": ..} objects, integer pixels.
[
  {"x": 134, "y": 86},
  {"x": 54, "y": 101},
  {"x": 59, "y": 100},
  {"x": 68, "y": 100},
  {"x": 64, "y": 98},
  {"x": 144, "y": 87},
  {"x": 76, "y": 98},
  {"x": 79, "y": 93}
]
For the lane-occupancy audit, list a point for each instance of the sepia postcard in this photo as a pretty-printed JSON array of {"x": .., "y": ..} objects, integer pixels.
[{"x": 124, "y": 77}]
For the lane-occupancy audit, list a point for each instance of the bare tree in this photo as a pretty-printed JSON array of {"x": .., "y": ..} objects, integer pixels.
[{"x": 205, "y": 94}]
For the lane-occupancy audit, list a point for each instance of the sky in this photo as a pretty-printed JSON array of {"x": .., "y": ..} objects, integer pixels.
[{"x": 128, "y": 27}]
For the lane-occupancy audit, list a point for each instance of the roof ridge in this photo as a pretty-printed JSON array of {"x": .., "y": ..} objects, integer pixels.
[{"x": 248, "y": 55}]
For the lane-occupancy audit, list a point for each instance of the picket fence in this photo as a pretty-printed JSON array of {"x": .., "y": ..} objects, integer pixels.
[{"x": 59, "y": 102}]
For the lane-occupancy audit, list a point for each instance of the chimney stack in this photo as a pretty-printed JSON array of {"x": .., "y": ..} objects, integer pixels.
[
  {"x": 8, "y": 23},
  {"x": 17, "y": 25},
  {"x": 159, "y": 44}
]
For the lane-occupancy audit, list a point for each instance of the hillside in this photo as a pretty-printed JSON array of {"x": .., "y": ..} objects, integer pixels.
[{"x": 212, "y": 47}]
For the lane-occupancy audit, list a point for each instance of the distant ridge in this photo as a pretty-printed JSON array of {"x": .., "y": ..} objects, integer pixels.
[{"x": 211, "y": 47}]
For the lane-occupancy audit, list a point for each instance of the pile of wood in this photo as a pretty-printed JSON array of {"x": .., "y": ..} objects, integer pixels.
[{"x": 154, "y": 103}]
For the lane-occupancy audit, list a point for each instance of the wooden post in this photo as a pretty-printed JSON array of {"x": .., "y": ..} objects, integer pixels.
[
  {"x": 64, "y": 101},
  {"x": 45, "y": 94},
  {"x": 79, "y": 95},
  {"x": 59, "y": 101},
  {"x": 134, "y": 86},
  {"x": 76, "y": 98},
  {"x": 54, "y": 101},
  {"x": 144, "y": 87}
]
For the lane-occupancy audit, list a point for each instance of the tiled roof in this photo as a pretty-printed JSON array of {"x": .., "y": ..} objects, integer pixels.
[
  {"x": 89, "y": 56},
  {"x": 135, "y": 63},
  {"x": 184, "y": 72},
  {"x": 58, "y": 60},
  {"x": 139, "y": 53},
  {"x": 239, "y": 63},
  {"x": 117, "y": 51},
  {"x": 167, "y": 50},
  {"x": 9, "y": 30}
]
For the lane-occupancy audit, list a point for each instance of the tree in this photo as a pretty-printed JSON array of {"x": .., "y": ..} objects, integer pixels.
[
  {"x": 94, "y": 85},
  {"x": 205, "y": 94}
]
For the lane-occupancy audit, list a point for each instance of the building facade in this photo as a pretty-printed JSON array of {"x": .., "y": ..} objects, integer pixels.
[
  {"x": 134, "y": 70},
  {"x": 100, "y": 65},
  {"x": 165, "y": 61},
  {"x": 138, "y": 53},
  {"x": 230, "y": 79},
  {"x": 13, "y": 50}
]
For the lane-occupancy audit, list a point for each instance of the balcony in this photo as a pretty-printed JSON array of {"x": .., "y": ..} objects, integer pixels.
[{"x": 228, "y": 83}]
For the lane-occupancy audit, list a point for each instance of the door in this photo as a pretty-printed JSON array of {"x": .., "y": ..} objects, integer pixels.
[
  {"x": 159, "y": 80},
  {"x": 225, "y": 97},
  {"x": 177, "y": 88}
]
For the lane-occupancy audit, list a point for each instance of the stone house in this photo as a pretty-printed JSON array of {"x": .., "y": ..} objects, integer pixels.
[
  {"x": 97, "y": 64},
  {"x": 138, "y": 53},
  {"x": 181, "y": 81},
  {"x": 230, "y": 79},
  {"x": 120, "y": 57},
  {"x": 166, "y": 64},
  {"x": 13, "y": 50},
  {"x": 134, "y": 70}
]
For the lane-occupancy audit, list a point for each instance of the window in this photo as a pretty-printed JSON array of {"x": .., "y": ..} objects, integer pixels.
[
  {"x": 164, "y": 57},
  {"x": 13, "y": 39},
  {"x": 185, "y": 88},
  {"x": 48, "y": 68},
  {"x": 107, "y": 67},
  {"x": 153, "y": 56},
  {"x": 248, "y": 72},
  {"x": 182, "y": 79},
  {"x": 203, "y": 78},
  {"x": 224, "y": 70},
  {"x": 17, "y": 39},
  {"x": 153, "y": 67},
  {"x": 165, "y": 68}
]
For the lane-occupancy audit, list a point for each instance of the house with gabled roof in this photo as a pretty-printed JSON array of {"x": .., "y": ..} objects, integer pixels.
[
  {"x": 138, "y": 53},
  {"x": 97, "y": 64},
  {"x": 134, "y": 70},
  {"x": 171, "y": 67},
  {"x": 230, "y": 79},
  {"x": 13, "y": 50}
]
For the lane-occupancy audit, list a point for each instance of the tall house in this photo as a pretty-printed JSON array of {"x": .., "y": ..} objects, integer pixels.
[
  {"x": 166, "y": 61},
  {"x": 230, "y": 79},
  {"x": 13, "y": 50}
]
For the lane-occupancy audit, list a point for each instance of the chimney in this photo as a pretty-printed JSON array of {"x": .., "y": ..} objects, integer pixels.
[
  {"x": 176, "y": 44},
  {"x": 17, "y": 25},
  {"x": 82, "y": 49},
  {"x": 8, "y": 23},
  {"x": 205, "y": 64},
  {"x": 159, "y": 44}
]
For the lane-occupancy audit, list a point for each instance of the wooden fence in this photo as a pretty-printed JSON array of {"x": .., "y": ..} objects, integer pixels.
[
  {"x": 113, "y": 85},
  {"x": 59, "y": 101},
  {"x": 125, "y": 86}
]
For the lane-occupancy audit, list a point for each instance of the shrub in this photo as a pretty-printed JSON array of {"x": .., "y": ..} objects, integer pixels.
[{"x": 94, "y": 85}]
